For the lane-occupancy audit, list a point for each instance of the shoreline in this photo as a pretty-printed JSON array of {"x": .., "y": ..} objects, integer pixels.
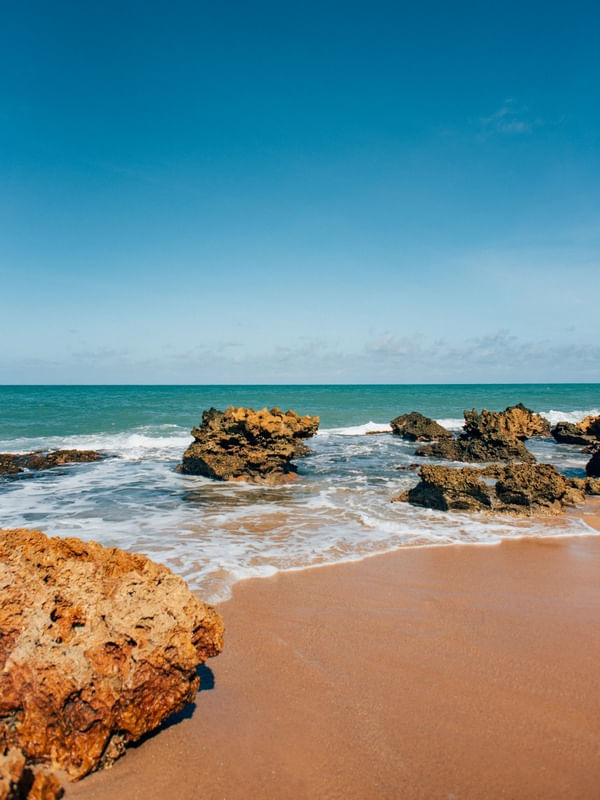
[{"x": 425, "y": 672}]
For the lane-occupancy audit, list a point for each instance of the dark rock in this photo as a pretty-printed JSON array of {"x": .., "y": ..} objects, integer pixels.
[
  {"x": 11, "y": 464},
  {"x": 417, "y": 428},
  {"x": 243, "y": 444},
  {"x": 486, "y": 447},
  {"x": 593, "y": 466},
  {"x": 517, "y": 489},
  {"x": 569, "y": 433},
  {"x": 97, "y": 648},
  {"x": 408, "y": 466},
  {"x": 517, "y": 421}
]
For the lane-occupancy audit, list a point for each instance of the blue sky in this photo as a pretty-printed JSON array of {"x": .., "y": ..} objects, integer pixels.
[{"x": 299, "y": 192}]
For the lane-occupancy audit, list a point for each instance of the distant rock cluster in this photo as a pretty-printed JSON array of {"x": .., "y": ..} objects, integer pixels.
[
  {"x": 13, "y": 464},
  {"x": 524, "y": 487}
]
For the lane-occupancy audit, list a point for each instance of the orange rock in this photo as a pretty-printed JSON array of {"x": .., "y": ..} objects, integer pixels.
[{"x": 98, "y": 647}]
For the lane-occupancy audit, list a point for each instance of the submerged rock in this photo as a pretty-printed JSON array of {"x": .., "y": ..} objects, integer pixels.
[
  {"x": 516, "y": 489},
  {"x": 481, "y": 448},
  {"x": 12, "y": 464},
  {"x": 517, "y": 421},
  {"x": 97, "y": 647},
  {"x": 243, "y": 444},
  {"x": 417, "y": 428}
]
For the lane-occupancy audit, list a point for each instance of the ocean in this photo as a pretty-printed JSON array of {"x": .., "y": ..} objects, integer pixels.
[{"x": 214, "y": 534}]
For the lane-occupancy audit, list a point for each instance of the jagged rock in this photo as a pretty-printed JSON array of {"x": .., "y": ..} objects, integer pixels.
[
  {"x": 516, "y": 489},
  {"x": 417, "y": 428},
  {"x": 517, "y": 421},
  {"x": 11, "y": 463},
  {"x": 593, "y": 466},
  {"x": 486, "y": 447},
  {"x": 590, "y": 426},
  {"x": 569, "y": 433},
  {"x": 243, "y": 444},
  {"x": 97, "y": 647}
]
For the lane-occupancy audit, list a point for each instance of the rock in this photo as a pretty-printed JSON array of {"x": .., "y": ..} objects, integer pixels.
[
  {"x": 97, "y": 647},
  {"x": 408, "y": 466},
  {"x": 243, "y": 444},
  {"x": 590, "y": 426},
  {"x": 593, "y": 466},
  {"x": 569, "y": 433},
  {"x": 487, "y": 447},
  {"x": 11, "y": 464},
  {"x": 517, "y": 421},
  {"x": 417, "y": 428},
  {"x": 517, "y": 489},
  {"x": 20, "y": 782},
  {"x": 587, "y": 485}
]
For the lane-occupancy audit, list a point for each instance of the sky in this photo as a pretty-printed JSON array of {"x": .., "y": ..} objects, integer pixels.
[{"x": 299, "y": 192}]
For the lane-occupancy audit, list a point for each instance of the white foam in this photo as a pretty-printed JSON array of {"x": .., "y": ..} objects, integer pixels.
[
  {"x": 569, "y": 416},
  {"x": 451, "y": 423},
  {"x": 357, "y": 430}
]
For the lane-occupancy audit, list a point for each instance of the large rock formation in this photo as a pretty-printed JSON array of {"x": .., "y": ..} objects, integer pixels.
[
  {"x": 417, "y": 428},
  {"x": 479, "y": 448},
  {"x": 97, "y": 647},
  {"x": 12, "y": 464},
  {"x": 243, "y": 444},
  {"x": 517, "y": 421},
  {"x": 517, "y": 489}
]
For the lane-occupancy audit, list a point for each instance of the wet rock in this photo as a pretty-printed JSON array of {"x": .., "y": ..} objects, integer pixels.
[
  {"x": 408, "y": 466},
  {"x": 11, "y": 463},
  {"x": 517, "y": 421},
  {"x": 479, "y": 448},
  {"x": 593, "y": 466},
  {"x": 243, "y": 444},
  {"x": 569, "y": 433},
  {"x": 590, "y": 426},
  {"x": 97, "y": 647},
  {"x": 588, "y": 485},
  {"x": 522, "y": 489},
  {"x": 417, "y": 428}
]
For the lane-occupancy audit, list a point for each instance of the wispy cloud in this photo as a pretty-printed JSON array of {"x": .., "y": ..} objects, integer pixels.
[{"x": 510, "y": 118}]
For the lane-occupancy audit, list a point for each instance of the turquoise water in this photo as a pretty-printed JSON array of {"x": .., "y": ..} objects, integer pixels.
[
  {"x": 215, "y": 534},
  {"x": 31, "y": 411}
]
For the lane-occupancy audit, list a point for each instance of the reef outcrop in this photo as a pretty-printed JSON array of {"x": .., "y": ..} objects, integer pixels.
[
  {"x": 97, "y": 647},
  {"x": 586, "y": 432},
  {"x": 517, "y": 421},
  {"x": 491, "y": 436},
  {"x": 12, "y": 464},
  {"x": 522, "y": 489},
  {"x": 418, "y": 428},
  {"x": 243, "y": 444}
]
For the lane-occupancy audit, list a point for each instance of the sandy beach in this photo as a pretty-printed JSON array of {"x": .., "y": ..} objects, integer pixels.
[{"x": 452, "y": 672}]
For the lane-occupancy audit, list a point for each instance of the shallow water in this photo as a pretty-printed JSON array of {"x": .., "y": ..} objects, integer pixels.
[{"x": 215, "y": 533}]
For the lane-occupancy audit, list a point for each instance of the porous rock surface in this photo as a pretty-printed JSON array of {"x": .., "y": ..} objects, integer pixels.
[
  {"x": 517, "y": 421},
  {"x": 517, "y": 489},
  {"x": 243, "y": 444},
  {"x": 20, "y": 782},
  {"x": 13, "y": 463},
  {"x": 491, "y": 436},
  {"x": 418, "y": 428},
  {"x": 97, "y": 647}
]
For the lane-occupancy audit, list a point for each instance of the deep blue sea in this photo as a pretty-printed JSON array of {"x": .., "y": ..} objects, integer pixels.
[{"x": 214, "y": 533}]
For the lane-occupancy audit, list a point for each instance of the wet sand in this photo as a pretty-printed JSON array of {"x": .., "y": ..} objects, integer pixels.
[{"x": 454, "y": 672}]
